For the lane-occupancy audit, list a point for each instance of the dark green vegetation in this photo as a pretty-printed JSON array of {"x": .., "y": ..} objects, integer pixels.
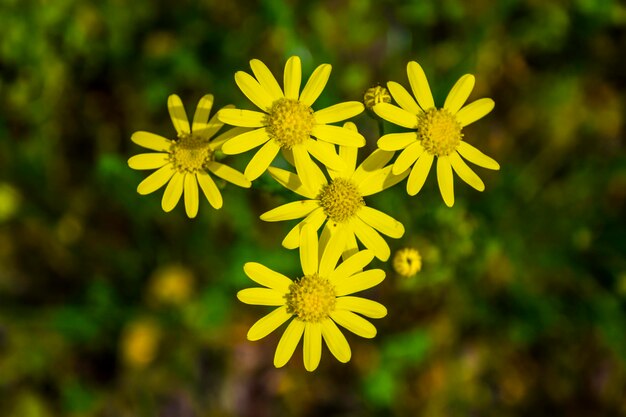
[{"x": 519, "y": 309}]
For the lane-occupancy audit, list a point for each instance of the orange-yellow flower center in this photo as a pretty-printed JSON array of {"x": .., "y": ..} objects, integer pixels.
[
  {"x": 190, "y": 153},
  {"x": 289, "y": 122},
  {"x": 376, "y": 95},
  {"x": 407, "y": 262},
  {"x": 311, "y": 298},
  {"x": 340, "y": 199},
  {"x": 439, "y": 131}
]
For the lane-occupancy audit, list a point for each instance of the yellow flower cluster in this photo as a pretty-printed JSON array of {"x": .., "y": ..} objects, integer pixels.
[{"x": 332, "y": 187}]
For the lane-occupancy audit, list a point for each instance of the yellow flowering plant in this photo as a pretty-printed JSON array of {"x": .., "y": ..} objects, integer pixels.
[{"x": 332, "y": 262}]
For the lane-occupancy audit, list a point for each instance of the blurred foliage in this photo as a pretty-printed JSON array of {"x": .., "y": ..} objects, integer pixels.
[{"x": 110, "y": 307}]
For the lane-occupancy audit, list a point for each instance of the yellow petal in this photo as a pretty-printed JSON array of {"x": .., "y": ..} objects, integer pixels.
[
  {"x": 178, "y": 114},
  {"x": 312, "y": 349},
  {"x": 308, "y": 249},
  {"x": 465, "y": 172},
  {"x": 359, "y": 282},
  {"x": 418, "y": 174},
  {"x": 266, "y": 79},
  {"x": 291, "y": 181},
  {"x": 338, "y": 135},
  {"x": 396, "y": 141},
  {"x": 334, "y": 248},
  {"x": 403, "y": 98},
  {"x": 371, "y": 239},
  {"x": 148, "y": 160},
  {"x": 407, "y": 157},
  {"x": 229, "y": 174},
  {"x": 242, "y": 118},
  {"x": 475, "y": 156},
  {"x": 267, "y": 277},
  {"x": 419, "y": 85},
  {"x": 356, "y": 324},
  {"x": 308, "y": 172},
  {"x": 210, "y": 190},
  {"x": 253, "y": 90},
  {"x": 362, "y": 306},
  {"x": 339, "y": 112},
  {"x": 325, "y": 154},
  {"x": 290, "y": 211},
  {"x": 381, "y": 180},
  {"x": 459, "y": 93},
  {"x": 217, "y": 142},
  {"x": 292, "y": 77},
  {"x": 382, "y": 222},
  {"x": 474, "y": 111},
  {"x": 246, "y": 141},
  {"x": 352, "y": 247},
  {"x": 348, "y": 154},
  {"x": 316, "y": 218},
  {"x": 156, "y": 180},
  {"x": 210, "y": 128},
  {"x": 201, "y": 116},
  {"x": 172, "y": 193},
  {"x": 151, "y": 141},
  {"x": 191, "y": 196},
  {"x": 444, "y": 178},
  {"x": 268, "y": 324},
  {"x": 396, "y": 115},
  {"x": 315, "y": 85},
  {"x": 261, "y": 160},
  {"x": 288, "y": 343},
  {"x": 371, "y": 165},
  {"x": 352, "y": 265},
  {"x": 336, "y": 341},
  {"x": 261, "y": 297}
]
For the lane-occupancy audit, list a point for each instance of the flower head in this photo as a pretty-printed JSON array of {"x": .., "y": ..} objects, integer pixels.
[
  {"x": 407, "y": 262},
  {"x": 315, "y": 302},
  {"x": 339, "y": 202},
  {"x": 436, "y": 132},
  {"x": 184, "y": 163},
  {"x": 375, "y": 95},
  {"x": 287, "y": 121}
]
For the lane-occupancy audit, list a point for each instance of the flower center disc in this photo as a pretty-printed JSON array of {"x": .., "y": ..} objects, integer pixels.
[
  {"x": 190, "y": 153},
  {"x": 311, "y": 298},
  {"x": 340, "y": 199},
  {"x": 290, "y": 122},
  {"x": 440, "y": 132}
]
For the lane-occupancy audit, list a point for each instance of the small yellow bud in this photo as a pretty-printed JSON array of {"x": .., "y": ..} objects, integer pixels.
[
  {"x": 407, "y": 262},
  {"x": 376, "y": 95}
]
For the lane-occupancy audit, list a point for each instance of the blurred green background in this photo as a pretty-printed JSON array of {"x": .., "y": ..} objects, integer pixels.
[{"x": 111, "y": 307}]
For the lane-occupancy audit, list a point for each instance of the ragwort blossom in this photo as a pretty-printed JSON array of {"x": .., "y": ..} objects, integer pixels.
[
  {"x": 339, "y": 202},
  {"x": 315, "y": 302},
  {"x": 437, "y": 132},
  {"x": 184, "y": 163},
  {"x": 287, "y": 120}
]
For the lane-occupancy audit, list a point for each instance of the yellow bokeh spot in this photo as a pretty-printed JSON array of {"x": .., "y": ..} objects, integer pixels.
[
  {"x": 9, "y": 201},
  {"x": 172, "y": 284},
  {"x": 140, "y": 342}
]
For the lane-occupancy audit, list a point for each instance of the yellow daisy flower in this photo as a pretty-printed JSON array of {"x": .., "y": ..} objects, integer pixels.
[
  {"x": 438, "y": 132},
  {"x": 341, "y": 202},
  {"x": 287, "y": 120},
  {"x": 186, "y": 161},
  {"x": 315, "y": 302}
]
